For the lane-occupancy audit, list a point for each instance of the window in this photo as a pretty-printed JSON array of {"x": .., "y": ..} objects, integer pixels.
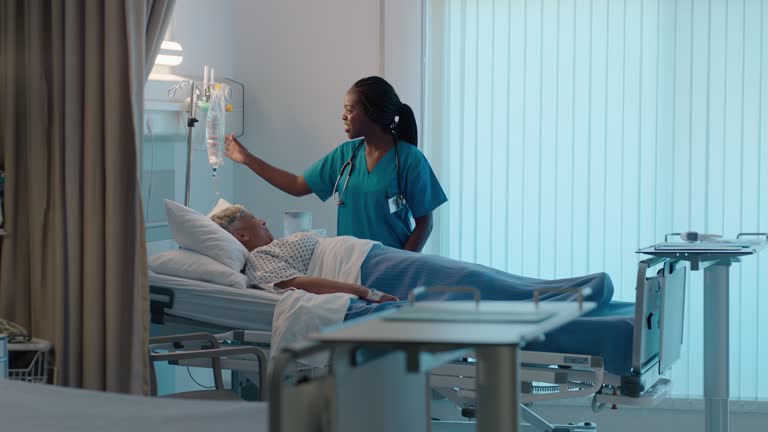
[{"x": 568, "y": 134}]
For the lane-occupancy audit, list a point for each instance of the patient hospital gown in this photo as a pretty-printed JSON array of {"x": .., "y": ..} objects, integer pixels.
[{"x": 281, "y": 260}]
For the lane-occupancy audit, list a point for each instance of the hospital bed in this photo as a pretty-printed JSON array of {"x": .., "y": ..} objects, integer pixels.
[
  {"x": 627, "y": 368},
  {"x": 630, "y": 375}
]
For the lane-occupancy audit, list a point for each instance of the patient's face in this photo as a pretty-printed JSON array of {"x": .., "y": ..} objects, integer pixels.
[{"x": 252, "y": 232}]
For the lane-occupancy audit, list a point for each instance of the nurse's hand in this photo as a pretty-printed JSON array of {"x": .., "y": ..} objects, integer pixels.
[{"x": 234, "y": 150}]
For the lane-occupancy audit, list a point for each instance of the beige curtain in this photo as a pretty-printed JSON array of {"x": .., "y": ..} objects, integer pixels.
[{"x": 73, "y": 264}]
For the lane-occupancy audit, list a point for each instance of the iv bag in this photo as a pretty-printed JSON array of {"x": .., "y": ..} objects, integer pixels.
[{"x": 214, "y": 130}]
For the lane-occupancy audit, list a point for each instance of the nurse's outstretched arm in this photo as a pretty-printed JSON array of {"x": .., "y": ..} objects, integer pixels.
[
  {"x": 281, "y": 179},
  {"x": 420, "y": 233}
]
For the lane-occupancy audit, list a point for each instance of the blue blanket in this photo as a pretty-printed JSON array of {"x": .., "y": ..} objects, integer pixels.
[
  {"x": 397, "y": 272},
  {"x": 606, "y": 331}
]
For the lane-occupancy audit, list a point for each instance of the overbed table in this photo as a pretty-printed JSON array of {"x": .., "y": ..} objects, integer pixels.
[{"x": 432, "y": 328}]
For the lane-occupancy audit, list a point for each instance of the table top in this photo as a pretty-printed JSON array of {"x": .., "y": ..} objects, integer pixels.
[
  {"x": 430, "y": 323},
  {"x": 705, "y": 251}
]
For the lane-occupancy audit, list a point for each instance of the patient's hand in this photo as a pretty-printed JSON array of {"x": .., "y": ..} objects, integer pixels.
[
  {"x": 387, "y": 298},
  {"x": 234, "y": 150},
  {"x": 376, "y": 296},
  {"x": 384, "y": 298}
]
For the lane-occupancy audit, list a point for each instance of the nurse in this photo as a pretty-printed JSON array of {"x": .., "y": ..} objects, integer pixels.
[{"x": 383, "y": 185}]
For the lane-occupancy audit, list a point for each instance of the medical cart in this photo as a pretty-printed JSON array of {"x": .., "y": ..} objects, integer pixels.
[{"x": 715, "y": 258}]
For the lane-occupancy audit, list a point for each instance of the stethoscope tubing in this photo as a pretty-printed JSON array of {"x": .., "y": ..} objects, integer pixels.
[{"x": 348, "y": 163}]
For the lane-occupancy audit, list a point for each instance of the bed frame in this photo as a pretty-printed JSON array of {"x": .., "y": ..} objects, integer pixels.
[
  {"x": 660, "y": 297},
  {"x": 659, "y": 306}
]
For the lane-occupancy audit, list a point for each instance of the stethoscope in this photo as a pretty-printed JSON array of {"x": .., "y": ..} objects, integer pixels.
[{"x": 400, "y": 200}]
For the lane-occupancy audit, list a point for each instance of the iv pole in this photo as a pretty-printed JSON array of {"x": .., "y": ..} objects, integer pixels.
[{"x": 191, "y": 120}]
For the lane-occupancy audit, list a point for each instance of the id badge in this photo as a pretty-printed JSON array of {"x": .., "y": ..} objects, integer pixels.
[{"x": 396, "y": 203}]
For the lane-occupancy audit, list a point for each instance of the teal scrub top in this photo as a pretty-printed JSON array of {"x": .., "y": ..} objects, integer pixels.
[{"x": 366, "y": 211}]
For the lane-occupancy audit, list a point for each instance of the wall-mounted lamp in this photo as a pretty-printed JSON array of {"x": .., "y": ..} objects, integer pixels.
[{"x": 171, "y": 54}]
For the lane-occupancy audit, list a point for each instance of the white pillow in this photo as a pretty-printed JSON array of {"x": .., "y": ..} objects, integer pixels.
[
  {"x": 195, "y": 232},
  {"x": 220, "y": 205},
  {"x": 191, "y": 265}
]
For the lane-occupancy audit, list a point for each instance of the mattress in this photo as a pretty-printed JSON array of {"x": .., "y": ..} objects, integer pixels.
[
  {"x": 247, "y": 309},
  {"x": 606, "y": 332}
]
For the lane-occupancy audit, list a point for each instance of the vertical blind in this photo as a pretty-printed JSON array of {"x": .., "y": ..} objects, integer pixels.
[{"x": 569, "y": 133}]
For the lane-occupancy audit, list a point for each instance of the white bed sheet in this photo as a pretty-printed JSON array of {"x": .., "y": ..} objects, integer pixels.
[
  {"x": 44, "y": 408},
  {"x": 247, "y": 309}
]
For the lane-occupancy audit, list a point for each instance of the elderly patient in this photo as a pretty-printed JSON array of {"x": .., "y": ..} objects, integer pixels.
[{"x": 375, "y": 272}]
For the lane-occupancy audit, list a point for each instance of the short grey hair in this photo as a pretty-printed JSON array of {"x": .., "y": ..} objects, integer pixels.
[{"x": 229, "y": 216}]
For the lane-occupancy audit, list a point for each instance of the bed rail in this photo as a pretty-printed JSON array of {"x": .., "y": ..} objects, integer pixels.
[
  {"x": 211, "y": 350},
  {"x": 160, "y": 299}
]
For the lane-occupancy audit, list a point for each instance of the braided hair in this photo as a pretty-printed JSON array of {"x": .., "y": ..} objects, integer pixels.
[{"x": 382, "y": 105}]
